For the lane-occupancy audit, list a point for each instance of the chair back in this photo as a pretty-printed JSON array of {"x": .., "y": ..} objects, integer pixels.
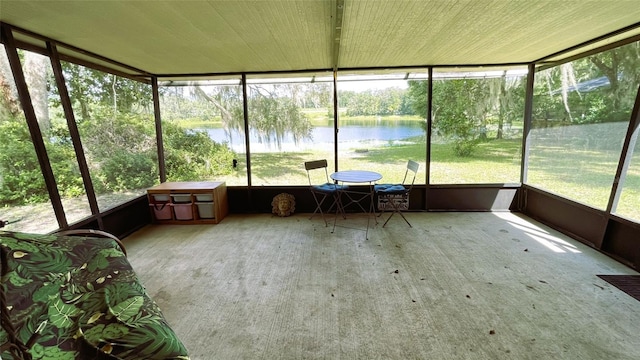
[
  {"x": 411, "y": 172},
  {"x": 314, "y": 165}
]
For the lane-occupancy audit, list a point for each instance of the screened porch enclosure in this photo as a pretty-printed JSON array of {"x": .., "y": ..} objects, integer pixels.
[{"x": 543, "y": 121}]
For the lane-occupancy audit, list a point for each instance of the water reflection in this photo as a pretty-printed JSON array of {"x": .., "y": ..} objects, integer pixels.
[{"x": 351, "y": 134}]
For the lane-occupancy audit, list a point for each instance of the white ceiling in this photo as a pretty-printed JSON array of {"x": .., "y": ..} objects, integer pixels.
[{"x": 203, "y": 37}]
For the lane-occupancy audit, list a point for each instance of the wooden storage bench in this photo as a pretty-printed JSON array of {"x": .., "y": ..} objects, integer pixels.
[{"x": 191, "y": 202}]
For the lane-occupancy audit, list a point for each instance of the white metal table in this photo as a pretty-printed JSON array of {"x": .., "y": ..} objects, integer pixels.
[{"x": 356, "y": 197}]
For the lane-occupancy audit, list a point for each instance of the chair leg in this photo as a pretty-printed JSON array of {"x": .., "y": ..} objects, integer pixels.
[
  {"x": 405, "y": 219},
  {"x": 396, "y": 209},
  {"x": 336, "y": 202},
  {"x": 384, "y": 200},
  {"x": 319, "y": 208},
  {"x": 339, "y": 205}
]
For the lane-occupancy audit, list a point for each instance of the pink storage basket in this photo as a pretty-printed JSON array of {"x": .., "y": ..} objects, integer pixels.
[
  {"x": 183, "y": 211},
  {"x": 161, "y": 211}
]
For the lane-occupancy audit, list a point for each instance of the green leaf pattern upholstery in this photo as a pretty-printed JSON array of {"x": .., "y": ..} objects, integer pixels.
[{"x": 80, "y": 292}]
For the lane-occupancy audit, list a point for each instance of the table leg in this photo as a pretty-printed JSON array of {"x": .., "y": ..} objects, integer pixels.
[
  {"x": 372, "y": 209},
  {"x": 360, "y": 196},
  {"x": 339, "y": 208}
]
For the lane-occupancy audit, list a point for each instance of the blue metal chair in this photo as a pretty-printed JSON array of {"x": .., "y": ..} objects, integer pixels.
[
  {"x": 396, "y": 196},
  {"x": 323, "y": 191}
]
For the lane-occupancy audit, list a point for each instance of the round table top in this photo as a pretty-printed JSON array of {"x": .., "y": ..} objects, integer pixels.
[{"x": 356, "y": 176}]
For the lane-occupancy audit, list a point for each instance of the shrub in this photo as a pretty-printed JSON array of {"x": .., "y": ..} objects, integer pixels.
[
  {"x": 21, "y": 180},
  {"x": 464, "y": 147},
  {"x": 193, "y": 155},
  {"x": 124, "y": 170}
]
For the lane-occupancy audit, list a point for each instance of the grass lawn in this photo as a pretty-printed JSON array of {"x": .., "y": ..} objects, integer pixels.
[
  {"x": 583, "y": 176},
  {"x": 494, "y": 162},
  {"x": 580, "y": 175}
]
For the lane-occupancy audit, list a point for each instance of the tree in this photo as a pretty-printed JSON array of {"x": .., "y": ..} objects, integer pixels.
[
  {"x": 453, "y": 118},
  {"x": 9, "y": 104},
  {"x": 37, "y": 71},
  {"x": 621, "y": 67},
  {"x": 87, "y": 86},
  {"x": 464, "y": 109},
  {"x": 376, "y": 102},
  {"x": 318, "y": 95},
  {"x": 598, "y": 88},
  {"x": 450, "y": 114},
  {"x": 20, "y": 176},
  {"x": 417, "y": 97},
  {"x": 118, "y": 134},
  {"x": 274, "y": 112},
  {"x": 503, "y": 96},
  {"x": 193, "y": 155}
]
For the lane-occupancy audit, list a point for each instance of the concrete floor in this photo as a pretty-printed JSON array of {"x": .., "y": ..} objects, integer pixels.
[{"x": 455, "y": 286}]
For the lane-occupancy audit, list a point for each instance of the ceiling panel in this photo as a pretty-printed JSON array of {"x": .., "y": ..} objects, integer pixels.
[
  {"x": 380, "y": 33},
  {"x": 203, "y": 37},
  {"x": 187, "y": 36}
]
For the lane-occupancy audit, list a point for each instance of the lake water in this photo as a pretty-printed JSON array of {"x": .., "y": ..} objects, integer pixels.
[{"x": 350, "y": 135}]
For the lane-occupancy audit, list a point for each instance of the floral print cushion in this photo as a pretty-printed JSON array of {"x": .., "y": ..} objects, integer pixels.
[{"x": 80, "y": 292}]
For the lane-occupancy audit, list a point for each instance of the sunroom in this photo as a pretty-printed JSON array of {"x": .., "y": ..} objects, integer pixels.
[
  {"x": 522, "y": 115},
  {"x": 529, "y": 107}
]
